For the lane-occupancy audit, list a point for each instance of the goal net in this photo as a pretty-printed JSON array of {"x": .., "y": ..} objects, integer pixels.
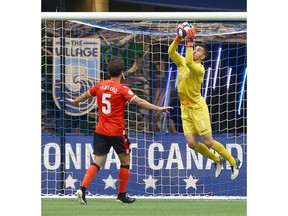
[{"x": 74, "y": 57}]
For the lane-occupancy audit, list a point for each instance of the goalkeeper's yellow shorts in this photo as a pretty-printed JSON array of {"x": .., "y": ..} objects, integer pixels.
[{"x": 196, "y": 120}]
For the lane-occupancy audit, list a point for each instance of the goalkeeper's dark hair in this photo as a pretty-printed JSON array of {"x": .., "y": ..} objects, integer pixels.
[
  {"x": 207, "y": 55},
  {"x": 115, "y": 67}
]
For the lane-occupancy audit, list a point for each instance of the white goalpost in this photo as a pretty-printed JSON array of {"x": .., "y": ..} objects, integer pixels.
[
  {"x": 76, "y": 48},
  {"x": 120, "y": 16}
]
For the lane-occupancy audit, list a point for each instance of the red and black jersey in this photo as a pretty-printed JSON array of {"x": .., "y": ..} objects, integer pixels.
[{"x": 112, "y": 97}]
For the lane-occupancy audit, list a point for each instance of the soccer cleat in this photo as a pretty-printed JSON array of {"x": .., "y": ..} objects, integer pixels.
[
  {"x": 124, "y": 198},
  {"x": 235, "y": 169},
  {"x": 218, "y": 167},
  {"x": 81, "y": 196}
]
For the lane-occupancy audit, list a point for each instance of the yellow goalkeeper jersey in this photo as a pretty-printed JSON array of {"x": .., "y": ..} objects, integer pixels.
[{"x": 190, "y": 77}]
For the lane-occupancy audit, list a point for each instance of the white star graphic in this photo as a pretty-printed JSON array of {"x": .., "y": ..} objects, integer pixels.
[
  {"x": 191, "y": 182},
  {"x": 70, "y": 182},
  {"x": 150, "y": 182},
  {"x": 109, "y": 182}
]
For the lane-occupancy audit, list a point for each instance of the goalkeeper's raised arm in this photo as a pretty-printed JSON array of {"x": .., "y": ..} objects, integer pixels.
[
  {"x": 174, "y": 55},
  {"x": 182, "y": 32}
]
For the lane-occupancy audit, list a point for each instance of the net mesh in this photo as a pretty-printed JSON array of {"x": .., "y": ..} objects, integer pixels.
[{"x": 75, "y": 56}]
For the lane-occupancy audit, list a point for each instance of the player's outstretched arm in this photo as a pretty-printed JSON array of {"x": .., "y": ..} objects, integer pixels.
[
  {"x": 183, "y": 30},
  {"x": 147, "y": 105},
  {"x": 80, "y": 99},
  {"x": 189, "y": 59},
  {"x": 174, "y": 55}
]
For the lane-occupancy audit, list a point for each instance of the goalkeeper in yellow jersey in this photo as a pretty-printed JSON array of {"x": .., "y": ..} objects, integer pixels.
[{"x": 194, "y": 110}]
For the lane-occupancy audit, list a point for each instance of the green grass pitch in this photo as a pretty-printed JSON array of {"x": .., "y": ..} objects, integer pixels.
[{"x": 145, "y": 207}]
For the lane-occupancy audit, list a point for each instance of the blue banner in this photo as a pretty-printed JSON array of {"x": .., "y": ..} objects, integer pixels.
[
  {"x": 206, "y": 5},
  {"x": 161, "y": 164}
]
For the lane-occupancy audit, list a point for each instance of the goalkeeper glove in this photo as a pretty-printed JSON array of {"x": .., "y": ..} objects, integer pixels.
[
  {"x": 190, "y": 36},
  {"x": 177, "y": 38}
]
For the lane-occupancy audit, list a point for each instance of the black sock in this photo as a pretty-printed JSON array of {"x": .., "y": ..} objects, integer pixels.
[{"x": 122, "y": 194}]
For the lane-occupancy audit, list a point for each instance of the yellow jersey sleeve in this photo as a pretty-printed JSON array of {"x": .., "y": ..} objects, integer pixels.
[
  {"x": 174, "y": 55},
  {"x": 195, "y": 68}
]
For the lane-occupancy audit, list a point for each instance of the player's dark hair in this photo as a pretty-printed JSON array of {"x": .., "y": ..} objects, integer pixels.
[
  {"x": 205, "y": 49},
  {"x": 115, "y": 67}
]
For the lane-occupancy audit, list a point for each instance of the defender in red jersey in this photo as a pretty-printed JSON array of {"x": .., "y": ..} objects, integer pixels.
[{"x": 112, "y": 97}]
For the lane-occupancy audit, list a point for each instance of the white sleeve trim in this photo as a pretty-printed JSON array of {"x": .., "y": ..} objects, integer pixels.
[{"x": 132, "y": 99}]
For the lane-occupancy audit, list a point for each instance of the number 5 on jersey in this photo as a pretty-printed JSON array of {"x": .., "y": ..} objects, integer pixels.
[{"x": 106, "y": 109}]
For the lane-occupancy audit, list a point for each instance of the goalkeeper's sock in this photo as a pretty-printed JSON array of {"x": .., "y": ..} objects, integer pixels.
[
  {"x": 124, "y": 173},
  {"x": 219, "y": 148},
  {"x": 203, "y": 149},
  {"x": 90, "y": 174}
]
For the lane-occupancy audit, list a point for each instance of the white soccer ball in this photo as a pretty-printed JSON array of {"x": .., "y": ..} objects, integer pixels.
[{"x": 182, "y": 28}]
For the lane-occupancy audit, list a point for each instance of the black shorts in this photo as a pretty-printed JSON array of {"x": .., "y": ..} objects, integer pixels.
[{"x": 103, "y": 143}]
